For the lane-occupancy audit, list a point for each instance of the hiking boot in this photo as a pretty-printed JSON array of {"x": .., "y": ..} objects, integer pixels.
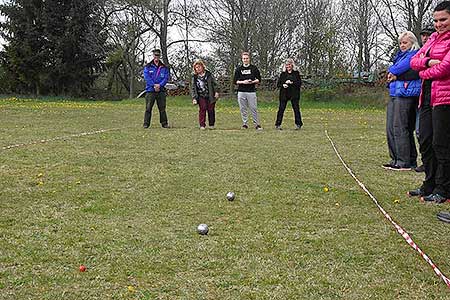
[
  {"x": 436, "y": 198},
  {"x": 415, "y": 193}
]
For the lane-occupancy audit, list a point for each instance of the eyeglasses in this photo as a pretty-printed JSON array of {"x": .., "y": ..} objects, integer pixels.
[{"x": 157, "y": 55}]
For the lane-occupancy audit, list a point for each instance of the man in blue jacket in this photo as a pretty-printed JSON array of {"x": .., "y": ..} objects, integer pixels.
[{"x": 156, "y": 76}]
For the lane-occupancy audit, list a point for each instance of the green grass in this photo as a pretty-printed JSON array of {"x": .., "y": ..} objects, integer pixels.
[{"x": 126, "y": 204}]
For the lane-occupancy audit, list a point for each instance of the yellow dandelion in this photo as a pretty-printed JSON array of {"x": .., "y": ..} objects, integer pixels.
[{"x": 131, "y": 289}]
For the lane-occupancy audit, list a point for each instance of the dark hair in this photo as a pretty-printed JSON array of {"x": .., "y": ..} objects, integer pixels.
[{"x": 444, "y": 5}]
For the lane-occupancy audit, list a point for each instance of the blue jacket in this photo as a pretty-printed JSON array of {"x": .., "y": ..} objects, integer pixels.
[
  {"x": 155, "y": 74},
  {"x": 403, "y": 88}
]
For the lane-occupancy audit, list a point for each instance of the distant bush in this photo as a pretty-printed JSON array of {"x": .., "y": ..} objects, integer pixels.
[{"x": 321, "y": 94}]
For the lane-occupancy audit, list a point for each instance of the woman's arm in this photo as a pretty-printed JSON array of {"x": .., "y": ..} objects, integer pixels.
[
  {"x": 297, "y": 81},
  {"x": 281, "y": 80},
  {"x": 437, "y": 70},
  {"x": 401, "y": 66}
]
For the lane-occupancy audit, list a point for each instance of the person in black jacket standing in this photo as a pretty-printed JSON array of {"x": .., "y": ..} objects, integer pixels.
[
  {"x": 289, "y": 84},
  {"x": 204, "y": 93}
]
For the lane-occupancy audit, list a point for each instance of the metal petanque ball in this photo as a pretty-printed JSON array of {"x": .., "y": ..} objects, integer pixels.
[
  {"x": 230, "y": 196},
  {"x": 202, "y": 229}
]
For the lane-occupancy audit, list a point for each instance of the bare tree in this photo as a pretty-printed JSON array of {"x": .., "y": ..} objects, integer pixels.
[
  {"x": 399, "y": 15},
  {"x": 361, "y": 30}
]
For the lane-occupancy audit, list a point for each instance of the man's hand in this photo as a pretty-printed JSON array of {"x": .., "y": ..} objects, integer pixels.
[
  {"x": 157, "y": 87},
  {"x": 216, "y": 95},
  {"x": 194, "y": 101},
  {"x": 289, "y": 82},
  {"x": 285, "y": 85}
]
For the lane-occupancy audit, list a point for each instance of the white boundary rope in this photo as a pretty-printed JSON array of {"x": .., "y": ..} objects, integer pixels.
[
  {"x": 399, "y": 229},
  {"x": 58, "y": 138}
]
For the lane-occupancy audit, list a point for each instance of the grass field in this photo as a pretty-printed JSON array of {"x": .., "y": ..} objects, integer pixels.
[{"x": 126, "y": 203}]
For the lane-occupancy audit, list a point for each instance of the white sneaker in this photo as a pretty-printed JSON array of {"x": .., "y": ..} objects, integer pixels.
[
  {"x": 212, "y": 127},
  {"x": 202, "y": 128}
]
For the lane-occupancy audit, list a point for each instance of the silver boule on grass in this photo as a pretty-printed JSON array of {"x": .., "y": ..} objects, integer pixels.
[
  {"x": 231, "y": 196},
  {"x": 202, "y": 229}
]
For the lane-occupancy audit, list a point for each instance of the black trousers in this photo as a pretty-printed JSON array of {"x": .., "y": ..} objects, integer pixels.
[
  {"x": 295, "y": 107},
  {"x": 160, "y": 98},
  {"x": 434, "y": 140}
]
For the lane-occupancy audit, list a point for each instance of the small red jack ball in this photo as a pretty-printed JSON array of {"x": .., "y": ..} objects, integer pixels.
[{"x": 82, "y": 268}]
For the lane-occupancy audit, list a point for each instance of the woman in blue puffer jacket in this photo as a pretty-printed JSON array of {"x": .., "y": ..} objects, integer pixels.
[{"x": 404, "y": 90}]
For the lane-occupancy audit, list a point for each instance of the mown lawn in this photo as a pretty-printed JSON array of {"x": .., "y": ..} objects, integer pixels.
[{"x": 126, "y": 203}]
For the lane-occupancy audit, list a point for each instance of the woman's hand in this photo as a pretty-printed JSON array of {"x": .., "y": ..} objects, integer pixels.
[
  {"x": 391, "y": 77},
  {"x": 285, "y": 85},
  {"x": 433, "y": 62},
  {"x": 216, "y": 95},
  {"x": 194, "y": 101}
]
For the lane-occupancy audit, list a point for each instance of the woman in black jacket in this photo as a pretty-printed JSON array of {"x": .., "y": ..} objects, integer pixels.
[
  {"x": 204, "y": 93},
  {"x": 289, "y": 84}
]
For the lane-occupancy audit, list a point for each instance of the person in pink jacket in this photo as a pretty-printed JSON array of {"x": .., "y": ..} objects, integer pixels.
[{"x": 433, "y": 63}]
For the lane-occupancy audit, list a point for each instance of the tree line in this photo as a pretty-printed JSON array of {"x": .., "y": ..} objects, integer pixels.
[{"x": 69, "y": 47}]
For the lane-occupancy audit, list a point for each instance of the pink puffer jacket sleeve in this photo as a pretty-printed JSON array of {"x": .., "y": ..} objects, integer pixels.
[
  {"x": 439, "y": 71},
  {"x": 419, "y": 61}
]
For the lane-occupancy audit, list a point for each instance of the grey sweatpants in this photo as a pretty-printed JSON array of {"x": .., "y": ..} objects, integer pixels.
[
  {"x": 249, "y": 100},
  {"x": 400, "y": 125}
]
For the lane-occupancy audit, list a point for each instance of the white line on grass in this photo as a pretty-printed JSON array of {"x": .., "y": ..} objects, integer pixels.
[
  {"x": 399, "y": 229},
  {"x": 59, "y": 138}
]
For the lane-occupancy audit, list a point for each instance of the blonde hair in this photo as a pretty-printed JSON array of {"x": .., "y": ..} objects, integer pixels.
[
  {"x": 411, "y": 37},
  {"x": 289, "y": 61},
  {"x": 198, "y": 62}
]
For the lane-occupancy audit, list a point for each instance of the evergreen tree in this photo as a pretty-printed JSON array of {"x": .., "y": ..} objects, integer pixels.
[{"x": 53, "y": 46}]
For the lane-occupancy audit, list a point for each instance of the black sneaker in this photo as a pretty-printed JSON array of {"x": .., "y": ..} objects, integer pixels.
[
  {"x": 258, "y": 127},
  {"x": 244, "y": 126},
  {"x": 298, "y": 127},
  {"x": 420, "y": 169},
  {"x": 415, "y": 193},
  {"x": 387, "y": 166},
  {"x": 165, "y": 126},
  {"x": 444, "y": 216},
  {"x": 398, "y": 168},
  {"x": 278, "y": 127},
  {"x": 146, "y": 126},
  {"x": 436, "y": 198}
]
